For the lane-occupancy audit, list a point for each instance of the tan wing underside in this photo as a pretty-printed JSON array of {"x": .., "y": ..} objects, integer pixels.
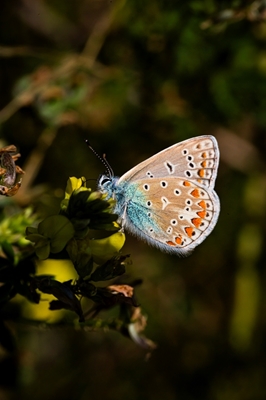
[
  {"x": 184, "y": 212},
  {"x": 176, "y": 161}
]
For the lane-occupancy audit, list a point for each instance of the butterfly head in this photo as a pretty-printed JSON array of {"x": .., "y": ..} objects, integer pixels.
[
  {"x": 107, "y": 184},
  {"x": 104, "y": 182}
]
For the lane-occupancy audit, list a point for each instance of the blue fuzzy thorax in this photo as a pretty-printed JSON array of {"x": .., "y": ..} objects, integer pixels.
[
  {"x": 130, "y": 204},
  {"x": 121, "y": 192}
]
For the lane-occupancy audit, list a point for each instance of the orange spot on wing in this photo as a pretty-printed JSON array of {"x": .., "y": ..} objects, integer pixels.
[
  {"x": 195, "y": 193},
  {"x": 186, "y": 183},
  {"x": 204, "y": 164},
  {"x": 170, "y": 243},
  {"x": 204, "y": 155},
  {"x": 189, "y": 231},
  {"x": 202, "y": 204},
  {"x": 196, "y": 222},
  {"x": 201, "y": 173},
  {"x": 178, "y": 240},
  {"x": 201, "y": 214}
]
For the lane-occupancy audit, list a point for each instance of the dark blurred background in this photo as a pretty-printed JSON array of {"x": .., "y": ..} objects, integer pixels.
[{"x": 135, "y": 77}]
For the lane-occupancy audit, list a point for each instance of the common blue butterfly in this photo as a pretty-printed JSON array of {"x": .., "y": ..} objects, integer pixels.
[{"x": 169, "y": 200}]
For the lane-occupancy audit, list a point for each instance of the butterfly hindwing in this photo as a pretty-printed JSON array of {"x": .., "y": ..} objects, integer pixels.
[{"x": 174, "y": 215}]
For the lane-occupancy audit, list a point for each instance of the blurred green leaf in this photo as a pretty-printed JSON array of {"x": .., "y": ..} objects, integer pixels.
[{"x": 8, "y": 250}]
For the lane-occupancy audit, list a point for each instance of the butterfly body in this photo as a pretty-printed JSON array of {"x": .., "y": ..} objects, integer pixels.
[{"x": 168, "y": 200}]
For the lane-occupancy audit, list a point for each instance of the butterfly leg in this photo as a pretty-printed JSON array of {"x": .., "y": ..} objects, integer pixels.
[{"x": 122, "y": 219}]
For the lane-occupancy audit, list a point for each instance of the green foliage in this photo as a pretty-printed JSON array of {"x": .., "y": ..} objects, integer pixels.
[
  {"x": 16, "y": 264},
  {"x": 68, "y": 235}
]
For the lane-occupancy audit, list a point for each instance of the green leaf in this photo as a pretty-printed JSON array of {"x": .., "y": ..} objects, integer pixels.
[
  {"x": 80, "y": 254},
  {"x": 109, "y": 270},
  {"x": 31, "y": 230},
  {"x": 87, "y": 289},
  {"x": 43, "y": 252},
  {"x": 64, "y": 292},
  {"x": 104, "y": 249},
  {"x": 8, "y": 250},
  {"x": 58, "y": 229}
]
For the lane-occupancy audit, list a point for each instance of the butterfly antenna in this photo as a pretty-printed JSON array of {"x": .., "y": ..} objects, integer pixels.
[{"x": 103, "y": 160}]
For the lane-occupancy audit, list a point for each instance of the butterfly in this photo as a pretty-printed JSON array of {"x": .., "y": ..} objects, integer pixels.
[{"x": 169, "y": 200}]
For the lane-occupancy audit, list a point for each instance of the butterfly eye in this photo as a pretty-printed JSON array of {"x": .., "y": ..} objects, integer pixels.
[{"x": 103, "y": 180}]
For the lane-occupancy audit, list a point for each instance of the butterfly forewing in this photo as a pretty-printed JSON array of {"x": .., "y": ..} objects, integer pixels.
[
  {"x": 195, "y": 159},
  {"x": 175, "y": 215}
]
